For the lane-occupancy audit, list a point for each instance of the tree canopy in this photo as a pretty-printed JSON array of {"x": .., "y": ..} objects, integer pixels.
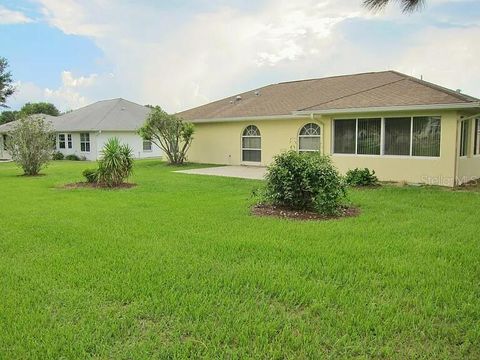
[
  {"x": 407, "y": 5},
  {"x": 168, "y": 132},
  {"x": 6, "y": 82},
  {"x": 39, "y": 108}
]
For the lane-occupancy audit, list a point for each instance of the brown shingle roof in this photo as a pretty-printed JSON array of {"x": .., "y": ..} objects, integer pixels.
[{"x": 367, "y": 90}]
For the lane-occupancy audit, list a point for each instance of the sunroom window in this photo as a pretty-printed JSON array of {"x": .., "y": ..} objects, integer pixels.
[
  {"x": 464, "y": 129},
  {"x": 477, "y": 137},
  {"x": 403, "y": 136},
  {"x": 309, "y": 138}
]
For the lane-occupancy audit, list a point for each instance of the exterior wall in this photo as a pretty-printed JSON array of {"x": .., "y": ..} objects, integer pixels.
[
  {"x": 4, "y": 155},
  {"x": 130, "y": 138},
  {"x": 468, "y": 167},
  {"x": 98, "y": 140},
  {"x": 220, "y": 143}
]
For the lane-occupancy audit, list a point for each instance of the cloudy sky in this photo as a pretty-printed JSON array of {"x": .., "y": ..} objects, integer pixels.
[{"x": 182, "y": 53}]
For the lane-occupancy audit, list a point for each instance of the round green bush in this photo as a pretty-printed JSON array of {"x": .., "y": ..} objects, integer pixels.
[
  {"x": 90, "y": 175},
  {"x": 305, "y": 181},
  {"x": 57, "y": 155},
  {"x": 361, "y": 177},
  {"x": 72, "y": 157}
]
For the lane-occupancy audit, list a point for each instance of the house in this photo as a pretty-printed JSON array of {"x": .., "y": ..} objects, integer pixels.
[
  {"x": 404, "y": 128},
  {"x": 83, "y": 132}
]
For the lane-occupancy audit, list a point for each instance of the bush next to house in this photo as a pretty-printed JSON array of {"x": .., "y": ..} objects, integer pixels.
[
  {"x": 57, "y": 155},
  {"x": 115, "y": 164},
  {"x": 72, "y": 157},
  {"x": 30, "y": 144},
  {"x": 361, "y": 177},
  {"x": 305, "y": 181}
]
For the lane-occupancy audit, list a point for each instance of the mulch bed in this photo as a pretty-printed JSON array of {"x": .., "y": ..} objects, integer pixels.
[
  {"x": 86, "y": 185},
  {"x": 281, "y": 212}
]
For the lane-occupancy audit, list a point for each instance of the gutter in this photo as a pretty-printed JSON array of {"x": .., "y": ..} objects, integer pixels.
[
  {"x": 468, "y": 105},
  {"x": 311, "y": 113}
]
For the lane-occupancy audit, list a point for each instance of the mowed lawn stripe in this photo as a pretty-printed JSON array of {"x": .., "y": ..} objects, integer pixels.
[{"x": 177, "y": 267}]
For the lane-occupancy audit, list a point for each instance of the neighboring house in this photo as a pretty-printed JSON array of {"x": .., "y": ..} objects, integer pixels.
[
  {"x": 83, "y": 132},
  {"x": 404, "y": 128}
]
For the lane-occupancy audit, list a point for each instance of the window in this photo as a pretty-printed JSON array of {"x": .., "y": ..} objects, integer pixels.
[
  {"x": 65, "y": 140},
  {"x": 397, "y": 136},
  {"x": 309, "y": 138},
  {"x": 344, "y": 136},
  {"x": 464, "y": 128},
  {"x": 368, "y": 136},
  {"x": 85, "y": 142},
  {"x": 4, "y": 137},
  {"x": 61, "y": 141},
  {"x": 404, "y": 136},
  {"x": 477, "y": 137},
  {"x": 426, "y": 136},
  {"x": 147, "y": 145},
  {"x": 251, "y": 144}
]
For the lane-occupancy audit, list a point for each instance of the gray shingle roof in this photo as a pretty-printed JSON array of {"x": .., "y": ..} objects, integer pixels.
[
  {"x": 4, "y": 128},
  {"x": 106, "y": 115},
  {"x": 366, "y": 90},
  {"x": 113, "y": 115}
]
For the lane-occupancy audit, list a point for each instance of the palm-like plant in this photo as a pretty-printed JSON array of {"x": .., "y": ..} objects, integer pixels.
[
  {"x": 407, "y": 5},
  {"x": 116, "y": 163}
]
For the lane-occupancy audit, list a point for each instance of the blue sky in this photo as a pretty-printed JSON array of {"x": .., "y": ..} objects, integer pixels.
[{"x": 179, "y": 54}]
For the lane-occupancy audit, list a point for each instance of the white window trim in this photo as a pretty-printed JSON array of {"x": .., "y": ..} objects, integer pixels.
[
  {"x": 382, "y": 137},
  {"x": 477, "y": 135},
  {"x": 66, "y": 141},
  {"x": 85, "y": 142},
  {"x": 460, "y": 140},
  {"x": 254, "y": 149},
  {"x": 143, "y": 146},
  {"x": 310, "y": 136}
]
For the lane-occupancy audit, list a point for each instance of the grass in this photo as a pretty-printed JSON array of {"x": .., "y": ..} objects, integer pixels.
[{"x": 177, "y": 267}]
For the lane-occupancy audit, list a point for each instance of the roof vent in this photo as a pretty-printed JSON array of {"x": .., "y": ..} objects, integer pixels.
[
  {"x": 257, "y": 93},
  {"x": 122, "y": 109},
  {"x": 231, "y": 101},
  {"x": 238, "y": 98},
  {"x": 459, "y": 91}
]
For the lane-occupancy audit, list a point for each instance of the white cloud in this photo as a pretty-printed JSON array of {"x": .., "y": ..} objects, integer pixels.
[
  {"x": 12, "y": 17},
  {"x": 66, "y": 97},
  {"x": 182, "y": 60}
]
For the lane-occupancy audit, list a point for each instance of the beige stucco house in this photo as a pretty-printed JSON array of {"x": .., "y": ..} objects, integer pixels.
[{"x": 404, "y": 128}]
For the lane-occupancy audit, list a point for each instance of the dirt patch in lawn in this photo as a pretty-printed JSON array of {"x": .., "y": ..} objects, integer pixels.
[
  {"x": 473, "y": 185},
  {"x": 284, "y": 213},
  {"x": 86, "y": 185}
]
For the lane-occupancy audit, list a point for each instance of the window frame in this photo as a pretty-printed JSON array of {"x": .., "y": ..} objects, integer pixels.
[
  {"x": 84, "y": 143},
  {"x": 464, "y": 136},
  {"x": 242, "y": 149},
  {"x": 150, "y": 147},
  {"x": 67, "y": 141},
  {"x": 382, "y": 137},
  {"x": 476, "y": 144},
  {"x": 320, "y": 137}
]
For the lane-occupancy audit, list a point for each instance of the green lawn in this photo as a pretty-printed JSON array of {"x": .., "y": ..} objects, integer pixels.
[{"x": 177, "y": 267}]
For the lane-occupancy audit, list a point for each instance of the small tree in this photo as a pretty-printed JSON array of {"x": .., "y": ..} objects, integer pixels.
[
  {"x": 31, "y": 143},
  {"x": 170, "y": 133},
  {"x": 6, "y": 82},
  {"x": 115, "y": 165}
]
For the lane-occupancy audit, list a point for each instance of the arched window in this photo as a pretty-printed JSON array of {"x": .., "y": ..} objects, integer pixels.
[
  {"x": 309, "y": 138},
  {"x": 251, "y": 144}
]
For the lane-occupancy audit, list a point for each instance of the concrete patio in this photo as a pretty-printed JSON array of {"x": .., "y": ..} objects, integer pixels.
[{"x": 243, "y": 172}]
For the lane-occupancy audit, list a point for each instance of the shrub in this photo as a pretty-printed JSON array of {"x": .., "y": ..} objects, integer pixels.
[
  {"x": 361, "y": 177},
  {"x": 90, "y": 175},
  {"x": 30, "y": 143},
  {"x": 57, "y": 155},
  {"x": 305, "y": 181},
  {"x": 72, "y": 157},
  {"x": 116, "y": 163}
]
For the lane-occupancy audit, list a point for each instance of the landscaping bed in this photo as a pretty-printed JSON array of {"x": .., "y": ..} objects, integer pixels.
[{"x": 282, "y": 212}]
